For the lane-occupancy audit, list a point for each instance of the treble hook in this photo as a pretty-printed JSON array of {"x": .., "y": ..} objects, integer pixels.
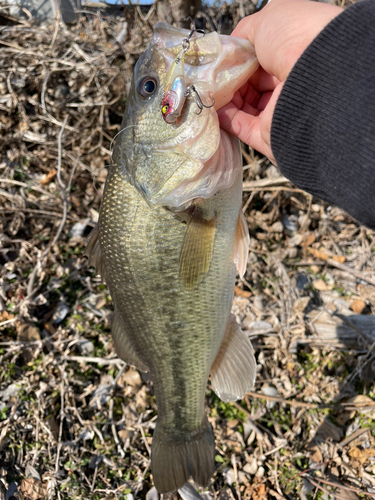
[{"x": 198, "y": 100}]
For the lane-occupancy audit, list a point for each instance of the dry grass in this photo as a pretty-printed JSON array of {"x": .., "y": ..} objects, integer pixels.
[{"x": 74, "y": 421}]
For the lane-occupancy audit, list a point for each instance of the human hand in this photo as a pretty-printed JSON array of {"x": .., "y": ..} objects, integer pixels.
[{"x": 280, "y": 34}]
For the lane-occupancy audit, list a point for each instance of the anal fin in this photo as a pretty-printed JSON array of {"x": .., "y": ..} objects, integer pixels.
[
  {"x": 123, "y": 345},
  {"x": 197, "y": 249},
  {"x": 242, "y": 243},
  {"x": 94, "y": 252},
  {"x": 234, "y": 369}
]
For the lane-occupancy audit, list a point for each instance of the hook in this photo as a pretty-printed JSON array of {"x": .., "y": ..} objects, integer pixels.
[{"x": 198, "y": 100}]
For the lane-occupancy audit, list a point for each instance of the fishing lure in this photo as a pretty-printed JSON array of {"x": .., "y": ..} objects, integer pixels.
[{"x": 175, "y": 90}]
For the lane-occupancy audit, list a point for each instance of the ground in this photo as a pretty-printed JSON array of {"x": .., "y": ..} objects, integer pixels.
[{"x": 75, "y": 422}]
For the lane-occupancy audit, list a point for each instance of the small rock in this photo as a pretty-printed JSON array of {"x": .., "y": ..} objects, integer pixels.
[
  {"x": 87, "y": 434},
  {"x": 260, "y": 472},
  {"x": 10, "y": 392},
  {"x": 301, "y": 281},
  {"x": 131, "y": 377},
  {"x": 152, "y": 494},
  {"x": 78, "y": 229},
  {"x": 290, "y": 223},
  {"x": 258, "y": 302},
  {"x": 251, "y": 467},
  {"x": 60, "y": 313},
  {"x": 85, "y": 347},
  {"x": 277, "y": 227}
]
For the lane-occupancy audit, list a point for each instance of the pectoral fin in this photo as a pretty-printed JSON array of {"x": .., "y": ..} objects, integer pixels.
[
  {"x": 196, "y": 251},
  {"x": 234, "y": 370},
  {"x": 242, "y": 244},
  {"x": 123, "y": 345},
  {"x": 94, "y": 252}
]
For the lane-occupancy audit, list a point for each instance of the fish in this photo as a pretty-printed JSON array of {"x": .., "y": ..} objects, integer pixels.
[{"x": 171, "y": 235}]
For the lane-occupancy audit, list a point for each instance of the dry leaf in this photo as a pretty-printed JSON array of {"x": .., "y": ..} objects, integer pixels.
[
  {"x": 238, "y": 292},
  {"x": 27, "y": 333},
  {"x": 315, "y": 454},
  {"x": 339, "y": 258},
  {"x": 318, "y": 254},
  {"x": 321, "y": 285},
  {"x": 260, "y": 492},
  {"x": 300, "y": 304},
  {"x": 5, "y": 316},
  {"x": 315, "y": 269},
  {"x": 47, "y": 179},
  {"x": 323, "y": 256},
  {"x": 361, "y": 455},
  {"x": 358, "y": 306},
  {"x": 308, "y": 240},
  {"x": 33, "y": 489}
]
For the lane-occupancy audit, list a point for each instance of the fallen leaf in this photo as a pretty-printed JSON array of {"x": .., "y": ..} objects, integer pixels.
[
  {"x": 315, "y": 454},
  {"x": 361, "y": 455},
  {"x": 308, "y": 240},
  {"x": 317, "y": 253},
  {"x": 238, "y": 292},
  {"x": 358, "y": 306},
  {"x": 28, "y": 333},
  {"x": 339, "y": 258},
  {"x": 260, "y": 492},
  {"x": 315, "y": 269},
  {"x": 321, "y": 285},
  {"x": 300, "y": 304},
  {"x": 33, "y": 489},
  {"x": 48, "y": 178},
  {"x": 5, "y": 316},
  {"x": 323, "y": 256}
]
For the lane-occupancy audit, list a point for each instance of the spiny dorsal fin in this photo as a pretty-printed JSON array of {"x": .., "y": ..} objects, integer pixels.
[
  {"x": 94, "y": 252},
  {"x": 241, "y": 249},
  {"x": 234, "y": 370},
  {"x": 196, "y": 251},
  {"x": 123, "y": 345}
]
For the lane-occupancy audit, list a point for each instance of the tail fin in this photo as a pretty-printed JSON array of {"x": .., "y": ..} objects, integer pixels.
[{"x": 175, "y": 460}]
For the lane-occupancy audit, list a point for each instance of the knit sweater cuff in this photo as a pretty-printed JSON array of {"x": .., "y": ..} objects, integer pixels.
[{"x": 323, "y": 128}]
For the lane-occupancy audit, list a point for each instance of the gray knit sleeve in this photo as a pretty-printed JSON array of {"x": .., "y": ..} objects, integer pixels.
[{"x": 323, "y": 128}]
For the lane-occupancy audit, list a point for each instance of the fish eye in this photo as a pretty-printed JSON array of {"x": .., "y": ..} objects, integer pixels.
[{"x": 147, "y": 87}]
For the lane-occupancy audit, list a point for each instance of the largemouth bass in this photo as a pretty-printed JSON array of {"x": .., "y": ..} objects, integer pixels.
[{"x": 169, "y": 237}]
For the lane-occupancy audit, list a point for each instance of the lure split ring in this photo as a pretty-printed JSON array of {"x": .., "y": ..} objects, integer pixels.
[{"x": 175, "y": 90}]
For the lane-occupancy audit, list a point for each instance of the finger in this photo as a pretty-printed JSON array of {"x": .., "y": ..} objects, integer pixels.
[
  {"x": 247, "y": 27},
  {"x": 243, "y": 125},
  {"x": 262, "y": 81},
  {"x": 264, "y": 100}
]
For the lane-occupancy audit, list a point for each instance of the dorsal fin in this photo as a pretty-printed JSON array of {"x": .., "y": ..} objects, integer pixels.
[
  {"x": 196, "y": 251},
  {"x": 242, "y": 243},
  {"x": 234, "y": 370},
  {"x": 94, "y": 252}
]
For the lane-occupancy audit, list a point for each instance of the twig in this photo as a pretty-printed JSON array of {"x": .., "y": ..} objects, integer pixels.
[
  {"x": 90, "y": 359},
  {"x": 340, "y": 486},
  {"x": 302, "y": 404},
  {"x": 12, "y": 320}
]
